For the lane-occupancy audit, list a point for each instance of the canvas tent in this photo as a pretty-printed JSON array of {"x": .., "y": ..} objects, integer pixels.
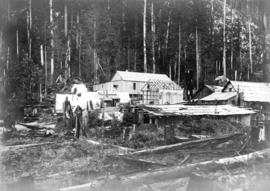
[{"x": 83, "y": 100}]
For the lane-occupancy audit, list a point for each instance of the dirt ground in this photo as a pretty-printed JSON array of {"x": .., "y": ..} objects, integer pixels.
[{"x": 62, "y": 161}]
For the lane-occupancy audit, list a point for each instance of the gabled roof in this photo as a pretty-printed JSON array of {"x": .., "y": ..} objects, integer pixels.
[
  {"x": 161, "y": 85},
  {"x": 252, "y": 91},
  {"x": 214, "y": 88},
  {"x": 219, "y": 96},
  {"x": 138, "y": 76},
  {"x": 196, "y": 110}
]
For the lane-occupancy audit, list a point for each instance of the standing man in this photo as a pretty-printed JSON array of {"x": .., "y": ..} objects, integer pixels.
[
  {"x": 189, "y": 85},
  {"x": 85, "y": 118},
  {"x": 261, "y": 126},
  {"x": 67, "y": 114},
  {"x": 258, "y": 129},
  {"x": 78, "y": 121}
]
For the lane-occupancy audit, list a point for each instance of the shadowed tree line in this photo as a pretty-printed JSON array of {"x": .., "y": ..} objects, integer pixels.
[{"x": 91, "y": 39}]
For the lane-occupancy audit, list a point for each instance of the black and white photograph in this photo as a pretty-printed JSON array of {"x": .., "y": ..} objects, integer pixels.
[{"x": 134, "y": 95}]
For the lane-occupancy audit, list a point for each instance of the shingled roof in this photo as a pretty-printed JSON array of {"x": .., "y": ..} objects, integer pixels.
[
  {"x": 219, "y": 96},
  {"x": 138, "y": 76},
  {"x": 196, "y": 110},
  {"x": 252, "y": 91}
]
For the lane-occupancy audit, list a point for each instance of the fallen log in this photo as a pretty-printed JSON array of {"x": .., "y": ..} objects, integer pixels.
[
  {"x": 121, "y": 150},
  {"x": 189, "y": 144},
  {"x": 28, "y": 145},
  {"x": 134, "y": 181},
  {"x": 142, "y": 162}
]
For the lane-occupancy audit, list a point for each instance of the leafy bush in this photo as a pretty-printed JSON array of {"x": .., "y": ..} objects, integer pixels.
[{"x": 146, "y": 139}]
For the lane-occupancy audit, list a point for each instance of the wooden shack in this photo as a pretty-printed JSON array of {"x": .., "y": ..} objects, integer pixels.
[
  {"x": 162, "y": 115},
  {"x": 221, "y": 98},
  {"x": 256, "y": 95}
]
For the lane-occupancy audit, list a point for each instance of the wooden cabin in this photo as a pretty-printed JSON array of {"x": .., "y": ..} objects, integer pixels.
[
  {"x": 131, "y": 82},
  {"x": 256, "y": 95}
]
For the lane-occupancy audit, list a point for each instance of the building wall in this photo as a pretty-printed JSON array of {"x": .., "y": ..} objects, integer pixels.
[
  {"x": 132, "y": 87},
  {"x": 245, "y": 120},
  {"x": 163, "y": 97}
]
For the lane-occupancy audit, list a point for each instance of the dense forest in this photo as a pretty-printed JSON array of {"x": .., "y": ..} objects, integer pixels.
[{"x": 91, "y": 39}]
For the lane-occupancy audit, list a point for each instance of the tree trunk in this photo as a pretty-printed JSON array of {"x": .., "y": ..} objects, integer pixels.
[
  {"x": 250, "y": 48},
  {"x": 144, "y": 38},
  {"x": 224, "y": 39},
  {"x": 198, "y": 64},
  {"x": 1, "y": 41},
  {"x": 135, "y": 44},
  {"x": 8, "y": 55},
  {"x": 109, "y": 12},
  {"x": 128, "y": 54},
  {"x": 168, "y": 31},
  {"x": 179, "y": 54},
  {"x": 153, "y": 29},
  {"x": 79, "y": 56},
  {"x": 95, "y": 53},
  {"x": 170, "y": 69},
  {"x": 52, "y": 41},
  {"x": 30, "y": 15},
  {"x": 66, "y": 19},
  {"x": 8, "y": 11},
  {"x": 231, "y": 68},
  {"x": 78, "y": 43},
  {"x": 28, "y": 33},
  {"x": 46, "y": 69},
  {"x": 17, "y": 44},
  {"x": 41, "y": 55}
]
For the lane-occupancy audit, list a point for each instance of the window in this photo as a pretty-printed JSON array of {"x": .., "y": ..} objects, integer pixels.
[
  {"x": 134, "y": 86},
  {"x": 115, "y": 86}
]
